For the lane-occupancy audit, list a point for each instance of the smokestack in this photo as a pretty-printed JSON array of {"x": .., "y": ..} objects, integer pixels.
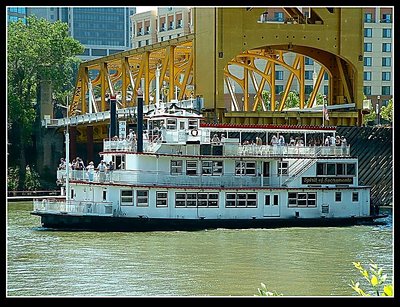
[
  {"x": 139, "y": 121},
  {"x": 113, "y": 116}
]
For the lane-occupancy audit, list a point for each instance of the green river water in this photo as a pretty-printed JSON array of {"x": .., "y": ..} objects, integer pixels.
[{"x": 292, "y": 261}]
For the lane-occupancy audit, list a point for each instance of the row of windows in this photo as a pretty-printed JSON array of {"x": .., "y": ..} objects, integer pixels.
[
  {"x": 334, "y": 169},
  {"x": 385, "y": 18},
  {"x": 386, "y": 62},
  {"x": 215, "y": 168},
  {"x": 232, "y": 200},
  {"x": 385, "y": 90},
  {"x": 386, "y": 47},
  {"x": 385, "y": 75},
  {"x": 386, "y": 33}
]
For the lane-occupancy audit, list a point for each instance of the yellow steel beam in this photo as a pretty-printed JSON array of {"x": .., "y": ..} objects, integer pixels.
[
  {"x": 171, "y": 50},
  {"x": 103, "y": 84},
  {"x": 316, "y": 87}
]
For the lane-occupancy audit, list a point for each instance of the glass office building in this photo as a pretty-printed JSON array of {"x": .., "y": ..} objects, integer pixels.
[{"x": 102, "y": 30}]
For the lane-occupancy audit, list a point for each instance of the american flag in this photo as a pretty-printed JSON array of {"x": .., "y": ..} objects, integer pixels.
[{"x": 325, "y": 112}]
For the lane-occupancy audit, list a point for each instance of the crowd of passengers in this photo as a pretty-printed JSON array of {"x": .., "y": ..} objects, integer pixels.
[{"x": 293, "y": 141}]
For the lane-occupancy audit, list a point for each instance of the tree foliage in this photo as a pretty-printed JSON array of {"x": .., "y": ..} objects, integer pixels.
[
  {"x": 387, "y": 111},
  {"x": 38, "y": 50}
]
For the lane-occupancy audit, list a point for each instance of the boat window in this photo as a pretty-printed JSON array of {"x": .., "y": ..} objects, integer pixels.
[
  {"x": 340, "y": 169},
  {"x": 104, "y": 195},
  {"x": 191, "y": 168},
  {"x": 302, "y": 199},
  {"x": 276, "y": 200},
  {"x": 351, "y": 169},
  {"x": 180, "y": 199},
  {"x": 267, "y": 200},
  {"x": 162, "y": 199},
  {"x": 283, "y": 167},
  {"x": 330, "y": 168},
  {"x": 181, "y": 125},
  {"x": 176, "y": 167},
  {"x": 171, "y": 124},
  {"x": 211, "y": 168},
  {"x": 245, "y": 168},
  {"x": 241, "y": 200},
  {"x": 196, "y": 199},
  {"x": 193, "y": 124},
  {"x": 126, "y": 198},
  {"x": 355, "y": 197},
  {"x": 338, "y": 196},
  {"x": 142, "y": 198},
  {"x": 320, "y": 168}
]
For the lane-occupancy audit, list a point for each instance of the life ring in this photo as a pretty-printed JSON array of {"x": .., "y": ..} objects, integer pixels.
[{"x": 194, "y": 132}]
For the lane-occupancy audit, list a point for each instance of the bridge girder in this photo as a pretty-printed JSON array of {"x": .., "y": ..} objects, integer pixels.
[{"x": 199, "y": 64}]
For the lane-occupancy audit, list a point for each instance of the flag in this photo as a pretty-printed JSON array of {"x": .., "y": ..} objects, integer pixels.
[{"x": 325, "y": 112}]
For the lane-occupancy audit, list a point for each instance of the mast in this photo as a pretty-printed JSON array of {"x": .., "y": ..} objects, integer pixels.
[{"x": 67, "y": 157}]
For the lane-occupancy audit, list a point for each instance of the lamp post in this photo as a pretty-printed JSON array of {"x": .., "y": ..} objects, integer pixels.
[{"x": 377, "y": 107}]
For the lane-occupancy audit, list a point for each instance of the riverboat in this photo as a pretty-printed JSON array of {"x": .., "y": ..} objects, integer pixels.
[{"x": 180, "y": 173}]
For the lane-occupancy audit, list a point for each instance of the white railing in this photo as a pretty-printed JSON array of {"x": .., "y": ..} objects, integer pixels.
[
  {"x": 302, "y": 151},
  {"x": 151, "y": 178},
  {"x": 72, "y": 206}
]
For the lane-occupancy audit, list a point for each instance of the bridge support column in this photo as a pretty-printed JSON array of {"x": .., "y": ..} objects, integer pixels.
[
  {"x": 72, "y": 142},
  {"x": 89, "y": 143}
]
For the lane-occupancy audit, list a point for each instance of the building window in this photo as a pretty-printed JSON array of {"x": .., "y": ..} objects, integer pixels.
[
  {"x": 191, "y": 168},
  {"x": 367, "y": 32},
  {"x": 283, "y": 167},
  {"x": 308, "y": 61},
  {"x": 302, "y": 200},
  {"x": 308, "y": 89},
  {"x": 278, "y": 16},
  {"x": 387, "y": 62},
  {"x": 368, "y": 17},
  {"x": 142, "y": 198},
  {"x": 368, "y": 61},
  {"x": 326, "y": 89},
  {"x": 338, "y": 196},
  {"x": 367, "y": 47},
  {"x": 279, "y": 75},
  {"x": 367, "y": 90},
  {"x": 278, "y": 89},
  {"x": 176, "y": 167},
  {"x": 126, "y": 198},
  {"x": 162, "y": 199},
  {"x": 367, "y": 76},
  {"x": 354, "y": 197},
  {"x": 385, "y": 90},
  {"x": 241, "y": 200},
  {"x": 245, "y": 168},
  {"x": 326, "y": 76},
  {"x": 386, "y": 76},
  {"x": 386, "y": 47},
  {"x": 308, "y": 74},
  {"x": 387, "y": 33},
  {"x": 386, "y": 18}
]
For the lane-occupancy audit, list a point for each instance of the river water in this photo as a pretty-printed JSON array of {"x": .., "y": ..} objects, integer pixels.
[{"x": 292, "y": 261}]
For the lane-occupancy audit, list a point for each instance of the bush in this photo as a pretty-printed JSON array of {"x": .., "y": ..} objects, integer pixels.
[{"x": 13, "y": 178}]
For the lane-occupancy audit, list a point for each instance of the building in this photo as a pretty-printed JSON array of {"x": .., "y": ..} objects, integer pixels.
[
  {"x": 16, "y": 13},
  {"x": 102, "y": 30},
  {"x": 160, "y": 25}
]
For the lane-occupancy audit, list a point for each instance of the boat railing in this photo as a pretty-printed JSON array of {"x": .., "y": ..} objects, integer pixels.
[
  {"x": 286, "y": 150},
  {"x": 72, "y": 206},
  {"x": 152, "y": 178}
]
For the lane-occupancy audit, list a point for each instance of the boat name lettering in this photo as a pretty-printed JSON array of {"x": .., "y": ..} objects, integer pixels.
[{"x": 327, "y": 180}]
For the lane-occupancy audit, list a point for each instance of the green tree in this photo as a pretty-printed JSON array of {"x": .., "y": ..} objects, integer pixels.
[
  {"x": 387, "y": 111},
  {"x": 375, "y": 279},
  {"x": 38, "y": 50},
  {"x": 292, "y": 100}
]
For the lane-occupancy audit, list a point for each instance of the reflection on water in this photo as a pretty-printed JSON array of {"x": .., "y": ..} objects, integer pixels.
[{"x": 293, "y": 261}]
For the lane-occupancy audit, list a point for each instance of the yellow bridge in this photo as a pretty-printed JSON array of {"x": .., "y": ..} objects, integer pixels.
[{"x": 202, "y": 64}]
